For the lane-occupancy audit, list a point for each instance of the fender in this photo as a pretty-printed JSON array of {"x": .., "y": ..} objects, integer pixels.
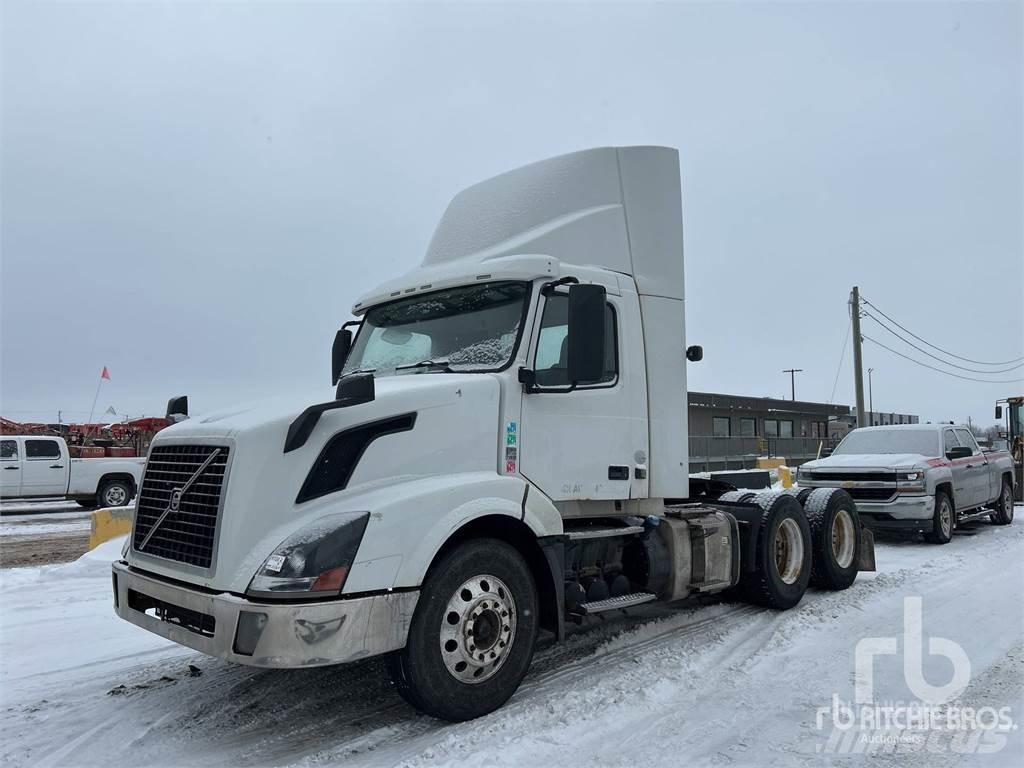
[{"x": 410, "y": 522}]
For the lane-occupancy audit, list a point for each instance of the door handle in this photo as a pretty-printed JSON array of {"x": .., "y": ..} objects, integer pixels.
[
  {"x": 10, "y": 467},
  {"x": 56, "y": 466}
]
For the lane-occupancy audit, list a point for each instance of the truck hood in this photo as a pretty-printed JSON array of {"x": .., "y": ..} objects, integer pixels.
[
  {"x": 892, "y": 461},
  {"x": 260, "y": 507}
]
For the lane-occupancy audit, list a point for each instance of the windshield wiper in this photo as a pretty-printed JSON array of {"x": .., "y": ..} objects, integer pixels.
[
  {"x": 346, "y": 374},
  {"x": 440, "y": 365}
]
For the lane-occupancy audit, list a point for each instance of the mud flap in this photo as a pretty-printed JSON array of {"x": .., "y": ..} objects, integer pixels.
[{"x": 866, "y": 558}]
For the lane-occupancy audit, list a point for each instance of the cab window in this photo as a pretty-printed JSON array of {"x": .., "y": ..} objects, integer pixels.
[
  {"x": 9, "y": 450},
  {"x": 551, "y": 358},
  {"x": 967, "y": 440},
  {"x": 949, "y": 441},
  {"x": 42, "y": 449}
]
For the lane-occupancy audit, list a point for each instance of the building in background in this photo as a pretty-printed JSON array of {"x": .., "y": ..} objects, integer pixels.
[{"x": 732, "y": 431}]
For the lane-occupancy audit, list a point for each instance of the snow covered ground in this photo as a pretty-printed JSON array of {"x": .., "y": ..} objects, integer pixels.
[{"x": 718, "y": 684}]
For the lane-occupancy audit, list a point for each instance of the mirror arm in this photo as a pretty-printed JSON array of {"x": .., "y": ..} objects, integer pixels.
[{"x": 548, "y": 288}]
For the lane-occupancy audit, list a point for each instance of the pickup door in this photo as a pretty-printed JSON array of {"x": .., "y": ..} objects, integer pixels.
[
  {"x": 44, "y": 466},
  {"x": 978, "y": 471},
  {"x": 10, "y": 468}
]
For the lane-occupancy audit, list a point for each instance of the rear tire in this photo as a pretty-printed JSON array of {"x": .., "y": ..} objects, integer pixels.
[
  {"x": 782, "y": 567},
  {"x": 114, "y": 493},
  {"x": 1003, "y": 511},
  {"x": 472, "y": 637},
  {"x": 835, "y": 537},
  {"x": 942, "y": 521}
]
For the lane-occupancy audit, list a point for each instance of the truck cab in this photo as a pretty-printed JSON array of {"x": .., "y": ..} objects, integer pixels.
[{"x": 504, "y": 451}]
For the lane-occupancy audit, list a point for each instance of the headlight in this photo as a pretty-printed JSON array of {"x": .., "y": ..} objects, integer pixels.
[
  {"x": 313, "y": 560},
  {"x": 910, "y": 481}
]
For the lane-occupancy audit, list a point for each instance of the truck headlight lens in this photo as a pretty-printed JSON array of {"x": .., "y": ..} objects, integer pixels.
[
  {"x": 910, "y": 481},
  {"x": 313, "y": 560}
]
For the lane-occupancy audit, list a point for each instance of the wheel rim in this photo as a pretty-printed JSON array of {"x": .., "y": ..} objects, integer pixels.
[
  {"x": 115, "y": 496},
  {"x": 478, "y": 629},
  {"x": 1007, "y": 504},
  {"x": 945, "y": 518},
  {"x": 789, "y": 551},
  {"x": 843, "y": 539}
]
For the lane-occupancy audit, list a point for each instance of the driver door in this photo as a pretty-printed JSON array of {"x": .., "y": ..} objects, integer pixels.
[{"x": 587, "y": 442}]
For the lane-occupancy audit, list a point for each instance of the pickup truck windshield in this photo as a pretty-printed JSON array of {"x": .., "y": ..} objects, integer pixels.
[
  {"x": 471, "y": 328},
  {"x": 924, "y": 442}
]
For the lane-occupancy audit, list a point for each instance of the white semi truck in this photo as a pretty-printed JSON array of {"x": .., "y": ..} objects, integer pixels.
[{"x": 505, "y": 452}]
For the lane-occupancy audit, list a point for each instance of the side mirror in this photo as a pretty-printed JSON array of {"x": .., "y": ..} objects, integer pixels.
[
  {"x": 339, "y": 353},
  {"x": 585, "y": 345},
  {"x": 695, "y": 354},
  {"x": 177, "y": 408},
  {"x": 959, "y": 452},
  {"x": 999, "y": 412}
]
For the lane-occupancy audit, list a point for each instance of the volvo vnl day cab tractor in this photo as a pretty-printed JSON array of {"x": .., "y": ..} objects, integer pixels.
[{"x": 505, "y": 452}]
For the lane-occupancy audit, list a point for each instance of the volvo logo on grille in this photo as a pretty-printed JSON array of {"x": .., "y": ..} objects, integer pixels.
[{"x": 176, "y": 495}]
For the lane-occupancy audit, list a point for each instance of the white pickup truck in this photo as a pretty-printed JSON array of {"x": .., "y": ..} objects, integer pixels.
[
  {"x": 39, "y": 467},
  {"x": 924, "y": 478}
]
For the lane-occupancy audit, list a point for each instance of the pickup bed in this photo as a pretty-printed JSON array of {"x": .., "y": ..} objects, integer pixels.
[
  {"x": 36, "y": 467},
  {"x": 924, "y": 478}
]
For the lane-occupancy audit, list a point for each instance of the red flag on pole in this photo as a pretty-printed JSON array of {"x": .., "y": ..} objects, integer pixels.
[{"x": 105, "y": 374}]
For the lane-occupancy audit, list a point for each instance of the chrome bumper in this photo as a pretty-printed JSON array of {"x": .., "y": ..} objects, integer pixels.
[
  {"x": 265, "y": 634},
  {"x": 901, "y": 508}
]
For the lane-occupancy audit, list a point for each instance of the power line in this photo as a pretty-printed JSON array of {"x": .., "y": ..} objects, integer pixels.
[
  {"x": 940, "y": 349},
  {"x": 842, "y": 356},
  {"x": 936, "y": 357},
  {"x": 939, "y": 370}
]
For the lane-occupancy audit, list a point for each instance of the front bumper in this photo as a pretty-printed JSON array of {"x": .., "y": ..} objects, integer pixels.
[
  {"x": 904, "y": 513},
  {"x": 264, "y": 634}
]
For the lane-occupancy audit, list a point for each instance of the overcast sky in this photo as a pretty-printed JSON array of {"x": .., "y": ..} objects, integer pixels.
[{"x": 194, "y": 195}]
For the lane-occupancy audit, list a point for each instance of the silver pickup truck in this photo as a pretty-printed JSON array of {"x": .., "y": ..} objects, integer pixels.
[{"x": 924, "y": 478}]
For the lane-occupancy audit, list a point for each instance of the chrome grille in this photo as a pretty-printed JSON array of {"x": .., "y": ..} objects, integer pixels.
[{"x": 186, "y": 534}]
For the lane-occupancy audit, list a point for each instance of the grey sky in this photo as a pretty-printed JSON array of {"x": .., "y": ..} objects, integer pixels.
[{"x": 194, "y": 195}]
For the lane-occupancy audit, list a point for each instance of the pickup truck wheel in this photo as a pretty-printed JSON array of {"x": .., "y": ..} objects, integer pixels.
[
  {"x": 835, "y": 537},
  {"x": 472, "y": 637},
  {"x": 782, "y": 567},
  {"x": 942, "y": 521},
  {"x": 1003, "y": 514},
  {"x": 115, "y": 493}
]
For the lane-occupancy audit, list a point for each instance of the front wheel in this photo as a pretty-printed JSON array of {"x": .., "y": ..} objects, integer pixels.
[
  {"x": 1003, "y": 514},
  {"x": 942, "y": 521},
  {"x": 472, "y": 637}
]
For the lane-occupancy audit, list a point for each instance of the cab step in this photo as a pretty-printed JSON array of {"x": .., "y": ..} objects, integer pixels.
[
  {"x": 604, "y": 533},
  {"x": 615, "y": 603}
]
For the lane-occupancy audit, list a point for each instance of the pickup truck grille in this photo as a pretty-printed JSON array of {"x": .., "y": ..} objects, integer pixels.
[
  {"x": 860, "y": 477},
  {"x": 186, "y": 534}
]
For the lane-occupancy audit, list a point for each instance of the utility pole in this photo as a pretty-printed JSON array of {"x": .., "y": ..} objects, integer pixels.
[
  {"x": 792, "y": 380},
  {"x": 858, "y": 374},
  {"x": 871, "y": 398}
]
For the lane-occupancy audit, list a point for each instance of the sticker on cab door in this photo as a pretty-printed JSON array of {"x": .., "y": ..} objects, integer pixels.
[{"x": 511, "y": 452}]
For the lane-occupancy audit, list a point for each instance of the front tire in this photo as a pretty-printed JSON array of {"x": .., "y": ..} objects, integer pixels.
[
  {"x": 942, "y": 520},
  {"x": 1003, "y": 512},
  {"x": 472, "y": 637}
]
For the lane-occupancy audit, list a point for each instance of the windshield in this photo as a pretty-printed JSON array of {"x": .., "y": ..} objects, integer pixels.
[
  {"x": 472, "y": 328},
  {"x": 924, "y": 442}
]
